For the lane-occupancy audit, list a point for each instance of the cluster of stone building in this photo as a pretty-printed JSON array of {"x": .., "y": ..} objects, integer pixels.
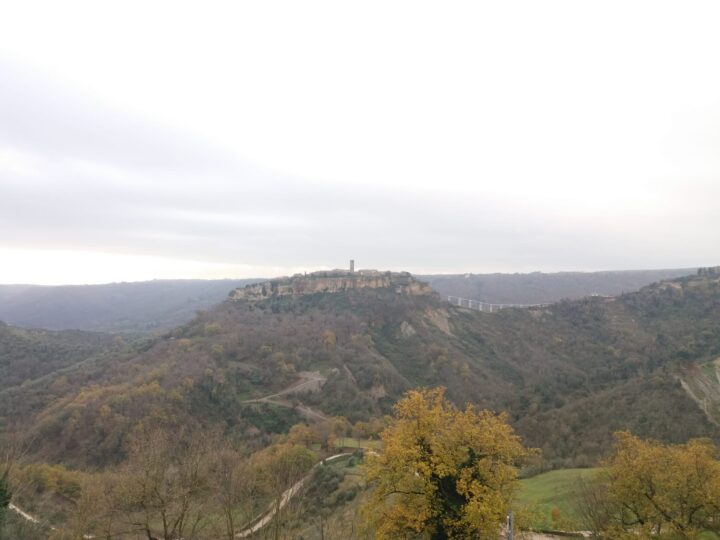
[{"x": 332, "y": 281}]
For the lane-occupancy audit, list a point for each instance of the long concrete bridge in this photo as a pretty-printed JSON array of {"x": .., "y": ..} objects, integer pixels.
[{"x": 486, "y": 306}]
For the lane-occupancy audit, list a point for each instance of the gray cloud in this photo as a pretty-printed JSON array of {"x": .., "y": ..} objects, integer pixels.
[
  {"x": 52, "y": 121},
  {"x": 101, "y": 179}
]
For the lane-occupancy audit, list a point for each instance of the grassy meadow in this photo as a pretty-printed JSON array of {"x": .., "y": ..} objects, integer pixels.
[{"x": 548, "y": 499}]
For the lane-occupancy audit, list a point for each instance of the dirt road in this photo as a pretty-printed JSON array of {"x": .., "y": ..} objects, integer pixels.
[
  {"x": 310, "y": 381},
  {"x": 265, "y": 518}
]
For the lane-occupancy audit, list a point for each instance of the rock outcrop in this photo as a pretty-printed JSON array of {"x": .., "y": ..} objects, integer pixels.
[{"x": 333, "y": 281}]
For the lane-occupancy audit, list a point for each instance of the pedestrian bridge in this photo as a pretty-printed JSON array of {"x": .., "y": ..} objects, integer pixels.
[{"x": 486, "y": 306}]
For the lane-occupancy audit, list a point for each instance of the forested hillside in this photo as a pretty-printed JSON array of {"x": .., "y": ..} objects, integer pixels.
[
  {"x": 152, "y": 306},
  {"x": 569, "y": 374},
  {"x": 29, "y": 354},
  {"x": 274, "y": 370}
]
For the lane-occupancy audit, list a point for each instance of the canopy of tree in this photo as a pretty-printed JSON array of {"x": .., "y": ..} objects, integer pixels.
[
  {"x": 443, "y": 472},
  {"x": 654, "y": 490}
]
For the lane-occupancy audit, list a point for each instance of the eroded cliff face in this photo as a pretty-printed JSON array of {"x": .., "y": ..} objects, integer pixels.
[
  {"x": 702, "y": 383},
  {"x": 332, "y": 282}
]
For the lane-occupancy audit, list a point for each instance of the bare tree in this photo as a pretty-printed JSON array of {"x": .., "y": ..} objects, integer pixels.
[
  {"x": 283, "y": 468},
  {"x": 235, "y": 486},
  {"x": 97, "y": 510},
  {"x": 5, "y": 496},
  {"x": 166, "y": 485},
  {"x": 12, "y": 451},
  {"x": 592, "y": 504}
]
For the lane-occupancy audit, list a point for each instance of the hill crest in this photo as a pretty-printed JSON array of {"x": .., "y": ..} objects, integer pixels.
[{"x": 334, "y": 281}]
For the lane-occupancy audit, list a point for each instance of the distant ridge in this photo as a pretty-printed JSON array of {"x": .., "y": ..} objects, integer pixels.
[
  {"x": 544, "y": 288},
  {"x": 144, "y": 306},
  {"x": 158, "y": 305}
]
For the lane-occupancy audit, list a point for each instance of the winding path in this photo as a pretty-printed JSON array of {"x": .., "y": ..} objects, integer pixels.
[
  {"x": 265, "y": 518},
  {"x": 23, "y": 514},
  {"x": 259, "y": 522},
  {"x": 308, "y": 381}
]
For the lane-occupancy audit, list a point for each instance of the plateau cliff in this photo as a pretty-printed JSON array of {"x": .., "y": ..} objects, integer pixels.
[{"x": 333, "y": 281}]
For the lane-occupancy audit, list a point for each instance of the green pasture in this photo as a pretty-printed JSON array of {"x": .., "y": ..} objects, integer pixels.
[{"x": 548, "y": 499}]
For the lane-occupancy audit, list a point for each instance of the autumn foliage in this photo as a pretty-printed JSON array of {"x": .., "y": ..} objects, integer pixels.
[
  {"x": 443, "y": 472},
  {"x": 657, "y": 490}
]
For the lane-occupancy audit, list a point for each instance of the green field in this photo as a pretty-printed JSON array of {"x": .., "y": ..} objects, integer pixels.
[
  {"x": 541, "y": 494},
  {"x": 552, "y": 494}
]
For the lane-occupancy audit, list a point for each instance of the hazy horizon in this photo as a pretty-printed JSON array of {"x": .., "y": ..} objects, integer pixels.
[
  {"x": 267, "y": 277},
  {"x": 253, "y": 140}
]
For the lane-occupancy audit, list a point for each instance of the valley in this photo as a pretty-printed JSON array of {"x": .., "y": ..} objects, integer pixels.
[
  {"x": 320, "y": 365},
  {"x": 359, "y": 271}
]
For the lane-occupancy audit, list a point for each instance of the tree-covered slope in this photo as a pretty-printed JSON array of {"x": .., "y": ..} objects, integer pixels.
[
  {"x": 29, "y": 354},
  {"x": 568, "y": 374}
]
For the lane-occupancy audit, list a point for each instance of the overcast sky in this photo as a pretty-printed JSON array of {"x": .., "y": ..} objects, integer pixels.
[{"x": 144, "y": 140}]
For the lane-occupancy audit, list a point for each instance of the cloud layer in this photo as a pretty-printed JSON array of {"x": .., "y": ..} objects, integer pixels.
[{"x": 429, "y": 148}]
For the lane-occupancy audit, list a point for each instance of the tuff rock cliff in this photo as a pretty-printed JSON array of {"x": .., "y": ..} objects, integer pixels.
[{"x": 333, "y": 281}]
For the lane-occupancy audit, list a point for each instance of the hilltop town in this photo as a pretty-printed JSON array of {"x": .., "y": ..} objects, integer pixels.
[{"x": 332, "y": 281}]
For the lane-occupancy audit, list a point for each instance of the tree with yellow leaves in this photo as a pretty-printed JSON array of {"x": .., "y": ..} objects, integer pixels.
[
  {"x": 660, "y": 490},
  {"x": 443, "y": 472}
]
